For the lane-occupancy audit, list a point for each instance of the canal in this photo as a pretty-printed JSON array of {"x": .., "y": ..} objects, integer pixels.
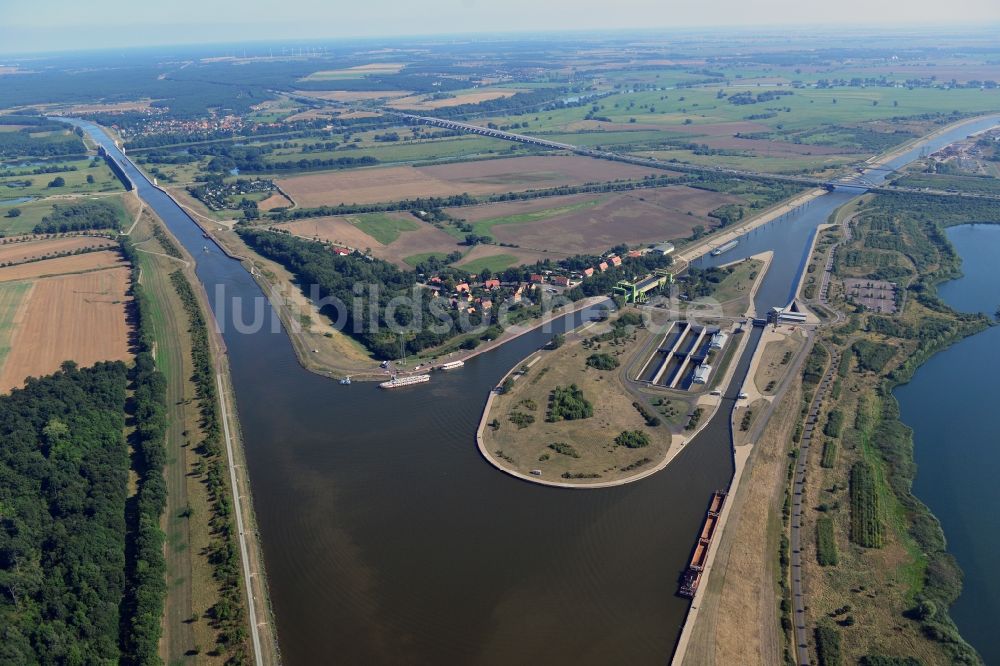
[{"x": 388, "y": 539}]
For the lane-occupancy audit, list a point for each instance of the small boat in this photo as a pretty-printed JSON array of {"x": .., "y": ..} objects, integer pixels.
[{"x": 346, "y": 381}]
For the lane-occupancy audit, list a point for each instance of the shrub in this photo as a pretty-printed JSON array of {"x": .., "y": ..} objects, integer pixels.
[
  {"x": 521, "y": 420},
  {"x": 826, "y": 545},
  {"x": 829, "y": 454},
  {"x": 828, "y": 646},
  {"x": 866, "y": 525},
  {"x": 567, "y": 402},
  {"x": 632, "y": 439},
  {"x": 564, "y": 449},
  {"x": 602, "y": 361}
]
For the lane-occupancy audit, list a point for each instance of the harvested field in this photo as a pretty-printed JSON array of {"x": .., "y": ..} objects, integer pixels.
[
  {"x": 276, "y": 200},
  {"x": 15, "y": 253},
  {"x": 424, "y": 239},
  {"x": 69, "y": 317},
  {"x": 372, "y": 185},
  {"x": 337, "y": 230},
  {"x": 633, "y": 218},
  {"x": 421, "y": 101},
  {"x": 79, "y": 263}
]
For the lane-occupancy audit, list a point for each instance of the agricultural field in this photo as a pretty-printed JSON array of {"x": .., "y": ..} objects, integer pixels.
[
  {"x": 593, "y": 223},
  {"x": 373, "y": 185},
  {"x": 20, "y": 252},
  {"x": 90, "y": 261},
  {"x": 69, "y": 310},
  {"x": 495, "y": 258},
  {"x": 440, "y": 101},
  {"x": 394, "y": 237}
]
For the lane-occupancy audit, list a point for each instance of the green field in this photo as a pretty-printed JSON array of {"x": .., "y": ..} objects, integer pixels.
[
  {"x": 415, "y": 259},
  {"x": 383, "y": 228},
  {"x": 407, "y": 151},
  {"x": 75, "y": 182},
  {"x": 495, "y": 263},
  {"x": 483, "y": 227},
  {"x": 11, "y": 294},
  {"x": 33, "y": 212}
]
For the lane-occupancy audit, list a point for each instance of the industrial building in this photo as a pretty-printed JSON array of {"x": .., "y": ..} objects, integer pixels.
[
  {"x": 718, "y": 340},
  {"x": 785, "y": 316},
  {"x": 701, "y": 374}
]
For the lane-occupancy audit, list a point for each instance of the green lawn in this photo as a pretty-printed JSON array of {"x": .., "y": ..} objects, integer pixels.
[
  {"x": 382, "y": 227},
  {"x": 494, "y": 263},
  {"x": 483, "y": 227}
]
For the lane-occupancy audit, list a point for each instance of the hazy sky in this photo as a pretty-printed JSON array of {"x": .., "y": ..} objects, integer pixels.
[{"x": 42, "y": 25}]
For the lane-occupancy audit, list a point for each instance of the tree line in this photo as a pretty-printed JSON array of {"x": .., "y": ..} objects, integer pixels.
[{"x": 227, "y": 614}]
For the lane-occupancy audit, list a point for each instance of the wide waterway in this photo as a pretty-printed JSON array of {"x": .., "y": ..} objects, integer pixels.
[
  {"x": 388, "y": 539},
  {"x": 951, "y": 404}
]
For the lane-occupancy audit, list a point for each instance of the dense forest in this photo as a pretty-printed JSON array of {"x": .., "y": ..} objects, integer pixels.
[
  {"x": 22, "y": 144},
  {"x": 63, "y": 475},
  {"x": 81, "y": 561}
]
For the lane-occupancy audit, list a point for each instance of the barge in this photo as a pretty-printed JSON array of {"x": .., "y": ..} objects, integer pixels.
[
  {"x": 396, "y": 382},
  {"x": 692, "y": 575},
  {"x": 725, "y": 247}
]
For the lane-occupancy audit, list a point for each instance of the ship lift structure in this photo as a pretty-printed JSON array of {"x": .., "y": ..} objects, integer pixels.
[{"x": 639, "y": 290}]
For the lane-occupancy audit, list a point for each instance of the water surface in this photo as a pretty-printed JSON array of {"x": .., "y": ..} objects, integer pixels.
[{"x": 951, "y": 404}]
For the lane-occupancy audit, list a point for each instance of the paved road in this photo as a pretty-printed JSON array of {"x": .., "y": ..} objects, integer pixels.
[{"x": 798, "y": 598}]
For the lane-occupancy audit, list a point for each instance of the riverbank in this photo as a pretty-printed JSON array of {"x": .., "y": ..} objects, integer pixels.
[
  {"x": 734, "y": 232},
  {"x": 945, "y": 482}
]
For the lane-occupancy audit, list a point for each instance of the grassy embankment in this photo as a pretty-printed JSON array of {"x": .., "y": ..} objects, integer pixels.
[
  {"x": 203, "y": 617},
  {"x": 880, "y": 578}
]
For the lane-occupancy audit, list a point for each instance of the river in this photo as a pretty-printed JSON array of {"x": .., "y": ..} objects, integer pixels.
[
  {"x": 388, "y": 539},
  {"x": 951, "y": 405}
]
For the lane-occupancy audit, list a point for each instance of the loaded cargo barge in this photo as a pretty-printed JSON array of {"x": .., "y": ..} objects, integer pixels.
[
  {"x": 396, "y": 382},
  {"x": 692, "y": 575},
  {"x": 725, "y": 247}
]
